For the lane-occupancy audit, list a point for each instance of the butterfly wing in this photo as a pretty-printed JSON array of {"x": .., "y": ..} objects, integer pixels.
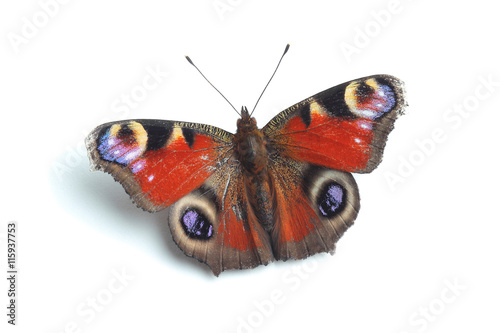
[
  {"x": 315, "y": 206},
  {"x": 192, "y": 167},
  {"x": 157, "y": 161},
  {"x": 315, "y": 144},
  {"x": 216, "y": 224},
  {"x": 344, "y": 127}
]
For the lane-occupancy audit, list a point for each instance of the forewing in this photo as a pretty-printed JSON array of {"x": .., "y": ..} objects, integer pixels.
[
  {"x": 157, "y": 161},
  {"x": 343, "y": 128}
]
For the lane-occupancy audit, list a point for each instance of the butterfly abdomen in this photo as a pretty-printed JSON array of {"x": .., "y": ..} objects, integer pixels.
[{"x": 259, "y": 192}]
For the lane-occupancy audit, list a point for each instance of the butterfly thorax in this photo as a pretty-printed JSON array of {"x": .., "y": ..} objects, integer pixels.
[{"x": 250, "y": 145}]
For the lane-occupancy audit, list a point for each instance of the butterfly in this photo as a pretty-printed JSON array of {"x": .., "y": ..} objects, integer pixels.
[{"x": 284, "y": 191}]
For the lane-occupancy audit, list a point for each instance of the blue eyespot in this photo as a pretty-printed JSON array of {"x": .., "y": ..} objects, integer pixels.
[
  {"x": 370, "y": 99},
  {"x": 196, "y": 225},
  {"x": 331, "y": 199},
  {"x": 122, "y": 143}
]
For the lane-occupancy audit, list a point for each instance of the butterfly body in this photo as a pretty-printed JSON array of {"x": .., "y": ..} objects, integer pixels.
[
  {"x": 280, "y": 192},
  {"x": 250, "y": 145}
]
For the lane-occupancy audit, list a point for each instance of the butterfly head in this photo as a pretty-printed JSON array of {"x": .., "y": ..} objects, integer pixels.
[{"x": 246, "y": 123}]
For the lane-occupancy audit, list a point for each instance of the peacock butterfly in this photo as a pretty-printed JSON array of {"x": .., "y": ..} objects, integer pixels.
[{"x": 281, "y": 192}]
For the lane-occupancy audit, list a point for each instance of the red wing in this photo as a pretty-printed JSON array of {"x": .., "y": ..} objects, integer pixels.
[
  {"x": 343, "y": 128},
  {"x": 156, "y": 161}
]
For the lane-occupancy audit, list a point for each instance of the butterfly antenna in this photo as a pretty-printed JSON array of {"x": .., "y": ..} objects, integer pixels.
[
  {"x": 191, "y": 62},
  {"x": 279, "y": 62}
]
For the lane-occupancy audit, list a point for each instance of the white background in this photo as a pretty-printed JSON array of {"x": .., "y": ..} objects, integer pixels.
[{"x": 423, "y": 254}]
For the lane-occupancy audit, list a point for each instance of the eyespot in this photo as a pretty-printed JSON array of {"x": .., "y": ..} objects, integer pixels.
[
  {"x": 331, "y": 199},
  {"x": 370, "y": 99},
  {"x": 122, "y": 143},
  {"x": 196, "y": 225}
]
